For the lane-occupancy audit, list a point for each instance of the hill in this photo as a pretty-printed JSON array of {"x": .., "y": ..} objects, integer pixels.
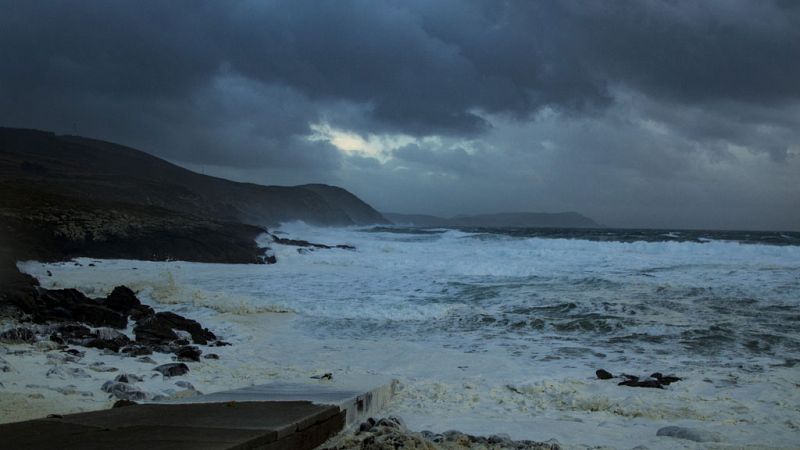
[
  {"x": 64, "y": 196},
  {"x": 515, "y": 220}
]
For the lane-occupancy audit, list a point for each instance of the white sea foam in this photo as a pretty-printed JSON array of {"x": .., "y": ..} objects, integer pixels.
[{"x": 491, "y": 333}]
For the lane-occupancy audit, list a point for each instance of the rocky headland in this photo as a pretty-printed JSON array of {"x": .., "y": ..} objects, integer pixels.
[{"x": 68, "y": 196}]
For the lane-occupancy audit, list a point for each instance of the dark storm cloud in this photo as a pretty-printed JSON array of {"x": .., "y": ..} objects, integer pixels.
[
  {"x": 645, "y": 89},
  {"x": 420, "y": 68}
]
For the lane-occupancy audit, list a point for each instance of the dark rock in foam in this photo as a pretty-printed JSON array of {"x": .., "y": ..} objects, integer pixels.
[
  {"x": 172, "y": 369},
  {"x": 18, "y": 336},
  {"x": 188, "y": 353},
  {"x": 604, "y": 374}
]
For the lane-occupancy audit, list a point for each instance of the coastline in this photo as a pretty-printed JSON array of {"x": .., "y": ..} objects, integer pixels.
[{"x": 441, "y": 388}]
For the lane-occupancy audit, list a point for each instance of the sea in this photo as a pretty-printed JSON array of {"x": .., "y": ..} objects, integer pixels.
[{"x": 492, "y": 330}]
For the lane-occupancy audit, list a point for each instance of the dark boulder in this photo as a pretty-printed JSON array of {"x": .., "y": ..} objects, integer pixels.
[
  {"x": 109, "y": 341},
  {"x": 141, "y": 312},
  {"x": 128, "y": 378},
  {"x": 136, "y": 350},
  {"x": 73, "y": 333},
  {"x": 154, "y": 330},
  {"x": 58, "y": 305},
  {"x": 124, "y": 403},
  {"x": 188, "y": 353},
  {"x": 122, "y": 300},
  {"x": 99, "y": 316},
  {"x": 604, "y": 374},
  {"x": 18, "y": 336},
  {"x": 199, "y": 334},
  {"x": 172, "y": 369},
  {"x": 643, "y": 384},
  {"x": 665, "y": 380},
  {"x": 65, "y": 298},
  {"x": 123, "y": 391}
]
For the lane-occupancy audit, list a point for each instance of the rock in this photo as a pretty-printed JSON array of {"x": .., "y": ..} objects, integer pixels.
[
  {"x": 65, "y": 298},
  {"x": 164, "y": 328},
  {"x": 199, "y": 334},
  {"x": 503, "y": 439},
  {"x": 108, "y": 339},
  {"x": 188, "y": 353},
  {"x": 18, "y": 336},
  {"x": 99, "y": 316},
  {"x": 136, "y": 350},
  {"x": 74, "y": 352},
  {"x": 47, "y": 346},
  {"x": 67, "y": 372},
  {"x": 128, "y": 378},
  {"x": 72, "y": 390},
  {"x": 153, "y": 330},
  {"x": 325, "y": 376},
  {"x": 122, "y": 300},
  {"x": 146, "y": 360},
  {"x": 665, "y": 380},
  {"x": 172, "y": 369},
  {"x": 643, "y": 384},
  {"x": 141, "y": 312},
  {"x": 123, "y": 391},
  {"x": 211, "y": 356},
  {"x": 691, "y": 434},
  {"x": 101, "y": 367},
  {"x": 391, "y": 422},
  {"x": 604, "y": 374},
  {"x": 185, "y": 385},
  {"x": 74, "y": 333},
  {"x": 123, "y": 403}
]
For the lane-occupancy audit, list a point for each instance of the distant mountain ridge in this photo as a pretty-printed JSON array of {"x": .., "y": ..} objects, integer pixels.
[
  {"x": 66, "y": 196},
  {"x": 93, "y": 169},
  {"x": 516, "y": 220}
]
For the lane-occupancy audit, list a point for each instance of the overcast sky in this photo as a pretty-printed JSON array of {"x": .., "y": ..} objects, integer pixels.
[{"x": 635, "y": 113}]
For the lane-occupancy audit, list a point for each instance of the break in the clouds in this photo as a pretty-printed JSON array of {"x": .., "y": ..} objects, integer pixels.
[{"x": 637, "y": 113}]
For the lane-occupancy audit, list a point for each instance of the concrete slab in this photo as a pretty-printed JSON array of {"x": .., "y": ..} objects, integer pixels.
[
  {"x": 274, "y": 416},
  {"x": 359, "y": 397},
  {"x": 201, "y": 425}
]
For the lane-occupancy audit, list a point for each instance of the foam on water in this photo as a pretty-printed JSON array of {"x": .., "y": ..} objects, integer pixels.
[{"x": 491, "y": 332}]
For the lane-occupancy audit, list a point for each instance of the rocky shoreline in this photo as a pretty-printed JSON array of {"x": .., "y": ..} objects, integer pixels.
[
  {"x": 64, "y": 324},
  {"x": 390, "y": 433}
]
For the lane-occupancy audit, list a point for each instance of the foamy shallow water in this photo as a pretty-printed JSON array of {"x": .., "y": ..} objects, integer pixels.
[{"x": 498, "y": 334}]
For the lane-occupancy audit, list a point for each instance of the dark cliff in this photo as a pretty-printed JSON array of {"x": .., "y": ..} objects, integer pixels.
[{"x": 65, "y": 196}]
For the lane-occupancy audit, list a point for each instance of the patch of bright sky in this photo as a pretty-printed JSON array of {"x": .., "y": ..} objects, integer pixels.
[{"x": 375, "y": 146}]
